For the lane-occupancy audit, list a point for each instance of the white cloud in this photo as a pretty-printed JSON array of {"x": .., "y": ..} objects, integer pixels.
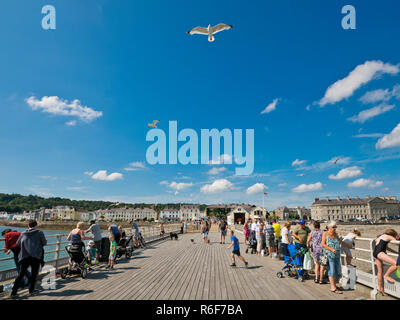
[
  {"x": 365, "y": 183},
  {"x": 360, "y": 76},
  {"x": 271, "y": 107},
  {"x": 71, "y": 123},
  {"x": 178, "y": 186},
  {"x": 102, "y": 175},
  {"x": 217, "y": 186},
  {"x": 390, "y": 140},
  {"x": 164, "y": 182},
  {"x": 376, "y": 96},
  {"x": 301, "y": 175},
  {"x": 57, "y": 106},
  {"x": 256, "y": 188},
  {"x": 88, "y": 173},
  {"x": 224, "y": 158},
  {"x": 369, "y": 135},
  {"x": 308, "y": 187},
  {"x": 282, "y": 184},
  {"x": 298, "y": 162},
  {"x": 76, "y": 188},
  {"x": 371, "y": 113},
  {"x": 215, "y": 170},
  {"x": 320, "y": 166},
  {"x": 350, "y": 172},
  {"x": 134, "y": 166}
]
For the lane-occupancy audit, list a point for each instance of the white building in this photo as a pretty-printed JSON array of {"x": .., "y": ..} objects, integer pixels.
[
  {"x": 242, "y": 213},
  {"x": 190, "y": 212},
  {"x": 372, "y": 208},
  {"x": 127, "y": 214},
  {"x": 169, "y": 214}
]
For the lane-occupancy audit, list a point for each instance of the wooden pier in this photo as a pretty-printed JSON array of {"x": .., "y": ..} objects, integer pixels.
[{"x": 175, "y": 270}]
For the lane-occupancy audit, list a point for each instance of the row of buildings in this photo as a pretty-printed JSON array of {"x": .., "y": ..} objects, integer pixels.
[{"x": 371, "y": 208}]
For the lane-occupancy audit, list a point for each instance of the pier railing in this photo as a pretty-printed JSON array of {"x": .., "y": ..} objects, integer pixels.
[
  {"x": 370, "y": 279},
  {"x": 58, "y": 242}
]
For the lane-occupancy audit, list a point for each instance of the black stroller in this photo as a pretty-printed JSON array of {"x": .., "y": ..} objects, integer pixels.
[
  {"x": 78, "y": 262},
  {"x": 125, "y": 247},
  {"x": 252, "y": 243}
]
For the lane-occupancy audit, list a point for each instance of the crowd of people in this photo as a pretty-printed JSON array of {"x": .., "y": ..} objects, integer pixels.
[
  {"x": 28, "y": 248},
  {"x": 326, "y": 247}
]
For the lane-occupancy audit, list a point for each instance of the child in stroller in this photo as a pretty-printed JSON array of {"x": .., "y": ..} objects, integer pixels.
[
  {"x": 252, "y": 243},
  {"x": 78, "y": 262},
  {"x": 294, "y": 263}
]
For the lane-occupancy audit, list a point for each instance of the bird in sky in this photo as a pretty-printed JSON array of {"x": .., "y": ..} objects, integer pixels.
[
  {"x": 210, "y": 31},
  {"x": 335, "y": 162},
  {"x": 154, "y": 124}
]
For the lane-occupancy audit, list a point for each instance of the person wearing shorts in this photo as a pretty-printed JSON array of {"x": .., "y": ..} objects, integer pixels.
[
  {"x": 204, "y": 231},
  {"x": 236, "y": 249},
  {"x": 222, "y": 229},
  {"x": 113, "y": 252}
]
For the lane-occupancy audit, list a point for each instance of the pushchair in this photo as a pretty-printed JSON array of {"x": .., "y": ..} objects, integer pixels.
[
  {"x": 294, "y": 263},
  {"x": 78, "y": 262},
  {"x": 252, "y": 243},
  {"x": 124, "y": 247}
]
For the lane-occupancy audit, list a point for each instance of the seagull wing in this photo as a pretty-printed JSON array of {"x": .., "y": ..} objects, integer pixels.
[
  {"x": 221, "y": 27},
  {"x": 198, "y": 30}
]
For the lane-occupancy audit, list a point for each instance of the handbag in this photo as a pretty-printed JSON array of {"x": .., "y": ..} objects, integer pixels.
[{"x": 307, "y": 263}]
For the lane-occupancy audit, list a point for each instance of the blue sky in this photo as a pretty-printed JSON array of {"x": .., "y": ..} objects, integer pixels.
[{"x": 132, "y": 62}]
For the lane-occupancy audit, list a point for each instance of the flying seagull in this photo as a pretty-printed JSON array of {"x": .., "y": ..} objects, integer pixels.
[
  {"x": 335, "y": 162},
  {"x": 153, "y": 125},
  {"x": 210, "y": 31}
]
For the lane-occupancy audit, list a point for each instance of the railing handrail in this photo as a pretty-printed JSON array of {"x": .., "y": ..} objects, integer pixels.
[{"x": 60, "y": 243}]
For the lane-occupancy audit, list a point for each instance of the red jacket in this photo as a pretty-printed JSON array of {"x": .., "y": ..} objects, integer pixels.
[{"x": 11, "y": 239}]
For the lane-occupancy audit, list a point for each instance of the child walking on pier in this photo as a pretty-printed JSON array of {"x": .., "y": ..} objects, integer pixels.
[
  {"x": 113, "y": 252},
  {"x": 236, "y": 249}
]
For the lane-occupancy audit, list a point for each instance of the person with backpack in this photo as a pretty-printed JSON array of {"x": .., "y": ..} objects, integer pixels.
[
  {"x": 31, "y": 243},
  {"x": 204, "y": 231}
]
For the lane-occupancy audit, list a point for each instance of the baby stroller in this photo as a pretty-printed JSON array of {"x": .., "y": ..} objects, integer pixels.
[
  {"x": 125, "y": 247},
  {"x": 78, "y": 262},
  {"x": 252, "y": 243},
  {"x": 294, "y": 263},
  {"x": 141, "y": 241}
]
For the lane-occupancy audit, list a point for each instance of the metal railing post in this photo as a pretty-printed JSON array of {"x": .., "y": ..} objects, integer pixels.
[
  {"x": 374, "y": 292},
  {"x": 58, "y": 248}
]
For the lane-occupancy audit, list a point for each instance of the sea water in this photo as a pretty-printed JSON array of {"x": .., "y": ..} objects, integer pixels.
[{"x": 9, "y": 264}]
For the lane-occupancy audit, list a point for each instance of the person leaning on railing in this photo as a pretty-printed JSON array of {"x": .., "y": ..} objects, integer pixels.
[
  {"x": 10, "y": 245},
  {"x": 380, "y": 255},
  {"x": 77, "y": 235}
]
